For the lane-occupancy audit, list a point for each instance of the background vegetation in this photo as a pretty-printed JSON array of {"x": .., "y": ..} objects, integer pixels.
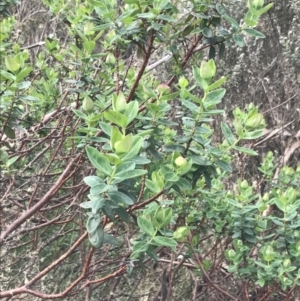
[{"x": 149, "y": 150}]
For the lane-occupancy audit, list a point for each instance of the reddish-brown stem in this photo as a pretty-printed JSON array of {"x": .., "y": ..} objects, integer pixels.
[
  {"x": 31, "y": 211},
  {"x": 143, "y": 68}
]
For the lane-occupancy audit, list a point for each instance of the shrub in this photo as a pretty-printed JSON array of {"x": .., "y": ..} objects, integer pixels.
[{"x": 107, "y": 165}]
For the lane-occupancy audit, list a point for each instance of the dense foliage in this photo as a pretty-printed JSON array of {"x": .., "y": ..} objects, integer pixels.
[{"x": 110, "y": 168}]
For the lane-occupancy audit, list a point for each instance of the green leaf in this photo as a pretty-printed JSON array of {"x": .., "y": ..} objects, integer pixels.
[
  {"x": 124, "y": 146},
  {"x": 191, "y": 106},
  {"x": 238, "y": 127},
  {"x": 93, "y": 181},
  {"x": 140, "y": 247},
  {"x": 108, "y": 211},
  {"x": 166, "y": 18},
  {"x": 120, "y": 197},
  {"x": 102, "y": 27},
  {"x": 255, "y": 121},
  {"x": 123, "y": 215},
  {"x": 9, "y": 132},
  {"x": 119, "y": 102},
  {"x": 186, "y": 94},
  {"x": 129, "y": 165},
  {"x": 86, "y": 205},
  {"x": 200, "y": 81},
  {"x": 224, "y": 165},
  {"x": 231, "y": 21},
  {"x": 201, "y": 160},
  {"x": 24, "y": 85},
  {"x": 96, "y": 204},
  {"x": 23, "y": 73},
  {"x": 153, "y": 108},
  {"x": 51, "y": 44},
  {"x": 140, "y": 160},
  {"x": 216, "y": 84},
  {"x": 93, "y": 222},
  {"x": 207, "y": 32},
  {"x": 252, "y": 135},
  {"x": 146, "y": 226},
  {"x": 152, "y": 255},
  {"x": 3, "y": 156},
  {"x": 146, "y": 16},
  {"x": 157, "y": 178},
  {"x": 221, "y": 9},
  {"x": 98, "y": 161},
  {"x": 125, "y": 175},
  {"x": 181, "y": 233},
  {"x": 109, "y": 239},
  {"x": 207, "y": 69},
  {"x": 149, "y": 92},
  {"x": 234, "y": 203},
  {"x": 246, "y": 150},
  {"x": 164, "y": 241},
  {"x": 264, "y": 9},
  {"x": 184, "y": 184},
  {"x": 125, "y": 15},
  {"x": 88, "y": 29},
  {"x": 29, "y": 98},
  {"x": 94, "y": 118},
  {"x": 106, "y": 128},
  {"x": 116, "y": 118},
  {"x": 171, "y": 177},
  {"x": 170, "y": 96},
  {"x": 249, "y": 21},
  {"x": 100, "y": 188},
  {"x": 89, "y": 46},
  {"x": 157, "y": 27},
  {"x": 167, "y": 123},
  {"x": 12, "y": 63},
  {"x": 214, "y": 97},
  {"x": 254, "y": 33},
  {"x": 152, "y": 186},
  {"x": 183, "y": 82},
  {"x": 113, "y": 159},
  {"x": 132, "y": 110},
  {"x": 79, "y": 33},
  {"x": 116, "y": 136},
  {"x": 80, "y": 114},
  {"x": 221, "y": 49},
  {"x": 11, "y": 161},
  {"x": 8, "y": 75},
  {"x": 227, "y": 133},
  {"x": 136, "y": 145},
  {"x": 97, "y": 237},
  {"x": 163, "y": 217},
  {"x": 239, "y": 40},
  {"x": 150, "y": 208},
  {"x": 160, "y": 4}
]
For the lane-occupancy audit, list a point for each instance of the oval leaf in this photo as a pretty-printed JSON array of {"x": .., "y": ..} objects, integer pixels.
[
  {"x": 146, "y": 225},
  {"x": 97, "y": 161},
  {"x": 120, "y": 197},
  {"x": 97, "y": 237}
]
